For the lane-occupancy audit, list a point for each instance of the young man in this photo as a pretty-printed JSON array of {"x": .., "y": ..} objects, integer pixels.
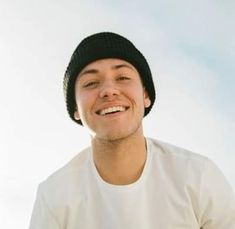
[{"x": 125, "y": 180}]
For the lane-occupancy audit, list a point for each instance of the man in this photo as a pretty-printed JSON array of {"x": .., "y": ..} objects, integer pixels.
[{"x": 125, "y": 180}]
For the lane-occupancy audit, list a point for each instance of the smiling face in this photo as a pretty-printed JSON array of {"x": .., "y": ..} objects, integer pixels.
[{"x": 110, "y": 99}]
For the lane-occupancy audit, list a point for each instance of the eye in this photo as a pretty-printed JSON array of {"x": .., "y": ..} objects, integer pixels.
[
  {"x": 91, "y": 84},
  {"x": 123, "y": 78}
]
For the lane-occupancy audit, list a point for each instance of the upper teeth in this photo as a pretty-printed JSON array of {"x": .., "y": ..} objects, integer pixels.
[{"x": 111, "y": 109}]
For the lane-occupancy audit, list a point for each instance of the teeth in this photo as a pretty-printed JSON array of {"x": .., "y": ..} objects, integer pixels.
[{"x": 111, "y": 109}]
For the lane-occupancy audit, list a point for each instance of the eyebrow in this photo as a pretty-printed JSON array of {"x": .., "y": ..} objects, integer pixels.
[
  {"x": 118, "y": 66},
  {"x": 115, "y": 67},
  {"x": 89, "y": 71}
]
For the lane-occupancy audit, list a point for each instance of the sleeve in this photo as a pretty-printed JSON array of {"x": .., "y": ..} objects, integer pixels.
[
  {"x": 42, "y": 217},
  {"x": 217, "y": 200}
]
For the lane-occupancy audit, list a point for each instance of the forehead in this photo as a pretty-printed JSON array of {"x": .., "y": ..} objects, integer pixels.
[{"x": 107, "y": 64}]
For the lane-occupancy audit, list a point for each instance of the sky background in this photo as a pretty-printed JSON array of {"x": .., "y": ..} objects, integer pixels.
[{"x": 190, "y": 47}]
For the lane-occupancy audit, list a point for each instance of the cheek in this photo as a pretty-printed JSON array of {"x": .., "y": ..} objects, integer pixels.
[
  {"x": 138, "y": 92},
  {"x": 84, "y": 101}
]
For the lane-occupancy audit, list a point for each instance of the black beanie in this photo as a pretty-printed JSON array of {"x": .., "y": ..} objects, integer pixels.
[{"x": 101, "y": 46}]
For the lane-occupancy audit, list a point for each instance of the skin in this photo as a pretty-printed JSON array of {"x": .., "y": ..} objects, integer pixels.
[{"x": 118, "y": 143}]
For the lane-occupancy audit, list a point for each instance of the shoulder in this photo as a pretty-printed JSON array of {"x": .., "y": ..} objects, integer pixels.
[
  {"x": 69, "y": 175},
  {"x": 189, "y": 166},
  {"x": 178, "y": 163},
  {"x": 173, "y": 152},
  {"x": 200, "y": 179}
]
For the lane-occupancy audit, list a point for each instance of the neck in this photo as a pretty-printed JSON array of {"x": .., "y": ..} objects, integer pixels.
[{"x": 121, "y": 161}]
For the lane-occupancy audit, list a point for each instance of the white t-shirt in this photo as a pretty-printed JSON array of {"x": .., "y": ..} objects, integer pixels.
[{"x": 176, "y": 190}]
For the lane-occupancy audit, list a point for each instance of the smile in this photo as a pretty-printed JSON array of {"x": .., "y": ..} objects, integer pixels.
[{"x": 111, "y": 110}]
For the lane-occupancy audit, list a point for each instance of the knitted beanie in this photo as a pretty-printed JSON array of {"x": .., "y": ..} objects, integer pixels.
[{"x": 100, "y": 46}]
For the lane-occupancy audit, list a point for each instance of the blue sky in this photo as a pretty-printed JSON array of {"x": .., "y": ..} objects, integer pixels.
[{"x": 191, "y": 50}]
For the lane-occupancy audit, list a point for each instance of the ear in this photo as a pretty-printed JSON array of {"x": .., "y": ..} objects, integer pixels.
[
  {"x": 147, "y": 101},
  {"x": 76, "y": 115}
]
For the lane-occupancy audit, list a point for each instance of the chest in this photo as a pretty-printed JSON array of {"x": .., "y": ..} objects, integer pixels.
[{"x": 150, "y": 207}]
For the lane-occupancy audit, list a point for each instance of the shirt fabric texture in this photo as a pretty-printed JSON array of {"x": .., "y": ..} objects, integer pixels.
[{"x": 177, "y": 189}]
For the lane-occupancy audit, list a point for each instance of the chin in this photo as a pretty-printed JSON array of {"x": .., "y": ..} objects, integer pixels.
[
  {"x": 119, "y": 135},
  {"x": 110, "y": 136}
]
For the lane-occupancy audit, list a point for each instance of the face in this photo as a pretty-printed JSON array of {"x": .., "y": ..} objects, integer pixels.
[{"x": 110, "y": 99}]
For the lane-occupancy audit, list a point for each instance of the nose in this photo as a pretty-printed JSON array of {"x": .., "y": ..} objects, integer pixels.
[{"x": 109, "y": 90}]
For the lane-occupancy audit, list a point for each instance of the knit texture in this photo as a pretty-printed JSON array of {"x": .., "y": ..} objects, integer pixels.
[{"x": 101, "y": 46}]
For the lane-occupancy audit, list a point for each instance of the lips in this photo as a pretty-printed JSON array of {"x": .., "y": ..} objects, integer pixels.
[{"x": 111, "y": 110}]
